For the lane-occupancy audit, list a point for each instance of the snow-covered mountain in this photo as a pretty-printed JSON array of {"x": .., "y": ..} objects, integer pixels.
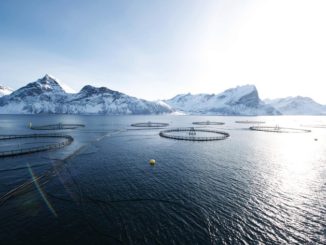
[
  {"x": 105, "y": 101},
  {"x": 242, "y": 100},
  {"x": 5, "y": 91},
  {"x": 47, "y": 96},
  {"x": 297, "y": 106}
]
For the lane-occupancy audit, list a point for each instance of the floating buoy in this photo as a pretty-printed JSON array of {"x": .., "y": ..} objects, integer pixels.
[{"x": 152, "y": 162}]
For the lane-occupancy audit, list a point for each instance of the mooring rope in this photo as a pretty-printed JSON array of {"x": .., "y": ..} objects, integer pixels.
[
  {"x": 58, "y": 165},
  {"x": 82, "y": 198}
]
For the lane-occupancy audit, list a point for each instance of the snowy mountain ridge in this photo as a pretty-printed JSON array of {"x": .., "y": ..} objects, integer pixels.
[
  {"x": 5, "y": 91},
  {"x": 47, "y": 96},
  {"x": 242, "y": 100},
  {"x": 297, "y": 106}
]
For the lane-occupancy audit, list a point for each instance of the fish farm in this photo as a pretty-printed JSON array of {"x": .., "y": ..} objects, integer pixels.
[
  {"x": 277, "y": 129},
  {"x": 192, "y": 134},
  {"x": 58, "y": 126},
  {"x": 66, "y": 140},
  {"x": 208, "y": 123},
  {"x": 150, "y": 124},
  {"x": 314, "y": 126},
  {"x": 250, "y": 122}
]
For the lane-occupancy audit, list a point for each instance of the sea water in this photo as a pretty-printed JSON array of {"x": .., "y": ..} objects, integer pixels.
[{"x": 254, "y": 187}]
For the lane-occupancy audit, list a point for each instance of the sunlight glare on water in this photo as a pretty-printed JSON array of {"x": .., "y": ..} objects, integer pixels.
[{"x": 253, "y": 187}]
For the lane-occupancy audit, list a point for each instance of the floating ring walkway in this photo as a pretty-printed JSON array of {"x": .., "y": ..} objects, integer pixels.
[
  {"x": 67, "y": 140},
  {"x": 277, "y": 129},
  {"x": 314, "y": 126},
  {"x": 208, "y": 123},
  {"x": 149, "y": 124},
  {"x": 192, "y": 134},
  {"x": 59, "y": 126}
]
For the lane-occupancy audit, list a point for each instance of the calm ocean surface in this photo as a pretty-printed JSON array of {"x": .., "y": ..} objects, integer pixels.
[{"x": 252, "y": 188}]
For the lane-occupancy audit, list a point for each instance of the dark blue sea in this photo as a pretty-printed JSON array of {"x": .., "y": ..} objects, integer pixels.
[{"x": 252, "y": 188}]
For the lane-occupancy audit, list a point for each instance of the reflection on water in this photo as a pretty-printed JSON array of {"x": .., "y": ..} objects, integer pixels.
[{"x": 254, "y": 187}]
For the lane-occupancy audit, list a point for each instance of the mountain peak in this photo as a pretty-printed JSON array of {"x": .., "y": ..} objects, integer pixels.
[
  {"x": 298, "y": 105},
  {"x": 242, "y": 94},
  {"x": 47, "y": 96},
  {"x": 5, "y": 90},
  {"x": 47, "y": 76},
  {"x": 88, "y": 89},
  {"x": 48, "y": 79},
  {"x": 45, "y": 85},
  {"x": 241, "y": 100},
  {"x": 304, "y": 98},
  {"x": 243, "y": 89}
]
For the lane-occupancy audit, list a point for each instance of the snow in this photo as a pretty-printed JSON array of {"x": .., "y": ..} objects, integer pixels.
[
  {"x": 63, "y": 85},
  {"x": 164, "y": 104},
  {"x": 178, "y": 113},
  {"x": 240, "y": 91},
  {"x": 241, "y": 100},
  {"x": 297, "y": 106},
  {"x": 190, "y": 102},
  {"x": 5, "y": 91},
  {"x": 47, "y": 96}
]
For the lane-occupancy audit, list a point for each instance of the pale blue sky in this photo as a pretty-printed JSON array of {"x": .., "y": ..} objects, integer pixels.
[{"x": 156, "y": 49}]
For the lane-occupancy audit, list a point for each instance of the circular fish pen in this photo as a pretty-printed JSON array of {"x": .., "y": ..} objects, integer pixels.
[
  {"x": 58, "y": 126},
  {"x": 150, "y": 124},
  {"x": 277, "y": 129},
  {"x": 192, "y": 134},
  {"x": 250, "y": 122},
  {"x": 208, "y": 123},
  {"x": 314, "y": 126},
  {"x": 66, "y": 140}
]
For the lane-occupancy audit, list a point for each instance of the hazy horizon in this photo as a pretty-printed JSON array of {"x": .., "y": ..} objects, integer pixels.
[{"x": 158, "y": 49}]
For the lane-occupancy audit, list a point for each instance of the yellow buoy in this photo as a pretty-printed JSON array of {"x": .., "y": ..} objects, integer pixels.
[{"x": 152, "y": 162}]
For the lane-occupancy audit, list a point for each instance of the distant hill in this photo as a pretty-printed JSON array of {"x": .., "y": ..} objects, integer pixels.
[
  {"x": 5, "y": 91},
  {"x": 47, "y": 96},
  {"x": 297, "y": 106},
  {"x": 242, "y": 100}
]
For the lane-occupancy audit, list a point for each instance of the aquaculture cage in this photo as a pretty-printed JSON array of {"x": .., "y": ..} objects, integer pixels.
[
  {"x": 250, "y": 122},
  {"x": 194, "y": 134},
  {"x": 278, "y": 129},
  {"x": 66, "y": 140},
  {"x": 58, "y": 126},
  {"x": 208, "y": 123},
  {"x": 150, "y": 124},
  {"x": 314, "y": 126}
]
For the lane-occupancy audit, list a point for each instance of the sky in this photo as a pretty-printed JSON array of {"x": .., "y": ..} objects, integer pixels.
[{"x": 155, "y": 49}]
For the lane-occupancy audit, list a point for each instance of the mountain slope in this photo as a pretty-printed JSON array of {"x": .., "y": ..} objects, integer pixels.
[
  {"x": 242, "y": 100},
  {"x": 47, "y": 96},
  {"x": 297, "y": 106},
  {"x": 42, "y": 96},
  {"x": 105, "y": 101},
  {"x": 5, "y": 91}
]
